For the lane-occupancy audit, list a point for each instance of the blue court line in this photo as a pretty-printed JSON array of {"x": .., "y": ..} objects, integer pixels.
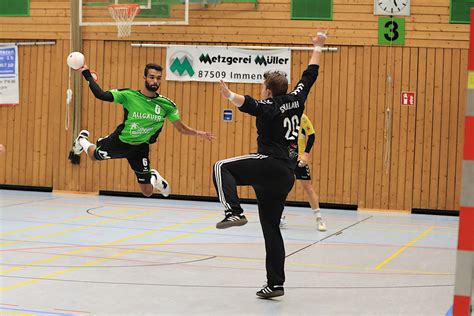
[
  {"x": 449, "y": 312},
  {"x": 34, "y": 311}
]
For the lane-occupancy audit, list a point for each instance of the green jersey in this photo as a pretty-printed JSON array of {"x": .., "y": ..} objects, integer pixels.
[{"x": 144, "y": 116}]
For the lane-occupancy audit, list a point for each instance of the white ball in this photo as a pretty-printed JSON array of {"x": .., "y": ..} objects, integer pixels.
[{"x": 75, "y": 60}]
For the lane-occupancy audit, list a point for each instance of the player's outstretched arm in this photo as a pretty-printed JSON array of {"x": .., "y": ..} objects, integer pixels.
[
  {"x": 186, "y": 130},
  {"x": 237, "y": 99},
  {"x": 318, "y": 42},
  {"x": 95, "y": 88},
  {"x": 2, "y": 149}
]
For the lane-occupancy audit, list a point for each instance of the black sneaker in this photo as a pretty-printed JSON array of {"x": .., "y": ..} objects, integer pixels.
[
  {"x": 232, "y": 220},
  {"x": 270, "y": 291}
]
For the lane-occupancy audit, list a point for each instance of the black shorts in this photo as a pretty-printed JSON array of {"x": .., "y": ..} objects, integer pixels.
[
  {"x": 302, "y": 173},
  {"x": 111, "y": 147}
]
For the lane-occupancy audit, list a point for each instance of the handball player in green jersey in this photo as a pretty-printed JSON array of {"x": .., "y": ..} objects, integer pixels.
[{"x": 145, "y": 112}]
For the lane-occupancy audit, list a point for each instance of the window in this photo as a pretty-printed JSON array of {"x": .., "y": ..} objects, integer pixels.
[
  {"x": 311, "y": 10},
  {"x": 460, "y": 11},
  {"x": 14, "y": 7}
]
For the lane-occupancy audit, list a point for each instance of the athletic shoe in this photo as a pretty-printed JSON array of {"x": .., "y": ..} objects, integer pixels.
[
  {"x": 270, "y": 291},
  {"x": 160, "y": 183},
  {"x": 282, "y": 222},
  {"x": 76, "y": 147},
  {"x": 232, "y": 220},
  {"x": 320, "y": 224}
]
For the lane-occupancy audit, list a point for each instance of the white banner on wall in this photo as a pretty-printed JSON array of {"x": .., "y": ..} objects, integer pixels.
[
  {"x": 9, "y": 90},
  {"x": 211, "y": 64}
]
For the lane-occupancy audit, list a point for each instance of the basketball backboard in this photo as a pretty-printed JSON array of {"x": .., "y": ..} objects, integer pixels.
[{"x": 152, "y": 12}]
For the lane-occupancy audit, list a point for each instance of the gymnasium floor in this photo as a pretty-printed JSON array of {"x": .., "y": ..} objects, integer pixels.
[{"x": 66, "y": 254}]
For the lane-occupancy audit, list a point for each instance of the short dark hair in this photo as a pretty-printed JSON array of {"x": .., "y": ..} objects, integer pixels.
[
  {"x": 152, "y": 66},
  {"x": 276, "y": 82}
]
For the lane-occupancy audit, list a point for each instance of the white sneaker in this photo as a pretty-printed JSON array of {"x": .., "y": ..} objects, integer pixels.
[
  {"x": 76, "y": 147},
  {"x": 282, "y": 222},
  {"x": 160, "y": 183},
  {"x": 320, "y": 224}
]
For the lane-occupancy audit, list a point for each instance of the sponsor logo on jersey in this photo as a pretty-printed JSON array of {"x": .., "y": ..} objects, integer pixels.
[
  {"x": 135, "y": 129},
  {"x": 157, "y": 109},
  {"x": 147, "y": 116}
]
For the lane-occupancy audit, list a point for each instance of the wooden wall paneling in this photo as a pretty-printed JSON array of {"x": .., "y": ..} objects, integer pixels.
[
  {"x": 380, "y": 173},
  {"x": 364, "y": 130},
  {"x": 37, "y": 119},
  {"x": 333, "y": 159},
  {"x": 205, "y": 185},
  {"x": 349, "y": 124},
  {"x": 385, "y": 133},
  {"x": 342, "y": 166},
  {"x": 357, "y": 120},
  {"x": 45, "y": 144},
  {"x": 461, "y": 113},
  {"x": 411, "y": 130},
  {"x": 372, "y": 135},
  {"x": 184, "y": 157},
  {"x": 215, "y": 99},
  {"x": 397, "y": 69},
  {"x": 444, "y": 128},
  {"x": 419, "y": 132},
  {"x": 195, "y": 110},
  {"x": 428, "y": 126},
  {"x": 403, "y": 132},
  {"x": 315, "y": 108},
  {"x": 203, "y": 157},
  {"x": 436, "y": 130},
  {"x": 325, "y": 88},
  {"x": 18, "y": 147},
  {"x": 177, "y": 95},
  {"x": 59, "y": 155},
  {"x": 30, "y": 109},
  {"x": 453, "y": 143}
]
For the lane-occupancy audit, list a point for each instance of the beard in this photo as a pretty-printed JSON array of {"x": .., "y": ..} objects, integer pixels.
[{"x": 151, "y": 88}]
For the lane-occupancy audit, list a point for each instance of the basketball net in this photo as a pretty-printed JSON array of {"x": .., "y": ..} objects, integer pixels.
[{"x": 124, "y": 14}]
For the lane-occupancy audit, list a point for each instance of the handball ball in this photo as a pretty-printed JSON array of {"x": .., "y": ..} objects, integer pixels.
[{"x": 75, "y": 60}]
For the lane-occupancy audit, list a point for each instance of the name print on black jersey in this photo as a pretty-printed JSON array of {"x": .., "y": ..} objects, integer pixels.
[{"x": 288, "y": 106}]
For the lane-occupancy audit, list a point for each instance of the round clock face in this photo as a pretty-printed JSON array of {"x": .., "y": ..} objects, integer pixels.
[{"x": 392, "y": 6}]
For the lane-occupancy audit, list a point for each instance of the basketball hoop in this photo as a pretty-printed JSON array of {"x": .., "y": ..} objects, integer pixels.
[{"x": 124, "y": 14}]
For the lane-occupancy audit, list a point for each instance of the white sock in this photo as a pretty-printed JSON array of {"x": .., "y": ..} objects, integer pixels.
[
  {"x": 317, "y": 212},
  {"x": 85, "y": 144}
]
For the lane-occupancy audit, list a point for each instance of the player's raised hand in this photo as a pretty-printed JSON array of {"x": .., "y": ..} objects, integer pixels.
[
  {"x": 320, "y": 38},
  {"x": 225, "y": 91},
  {"x": 2, "y": 149}
]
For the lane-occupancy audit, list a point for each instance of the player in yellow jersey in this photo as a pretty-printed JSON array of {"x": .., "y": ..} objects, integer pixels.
[{"x": 306, "y": 137}]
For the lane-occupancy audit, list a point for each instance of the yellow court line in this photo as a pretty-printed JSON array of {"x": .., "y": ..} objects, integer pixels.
[
  {"x": 4, "y": 312},
  {"x": 21, "y": 230},
  {"x": 72, "y": 252},
  {"x": 91, "y": 263},
  {"x": 399, "y": 251}
]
